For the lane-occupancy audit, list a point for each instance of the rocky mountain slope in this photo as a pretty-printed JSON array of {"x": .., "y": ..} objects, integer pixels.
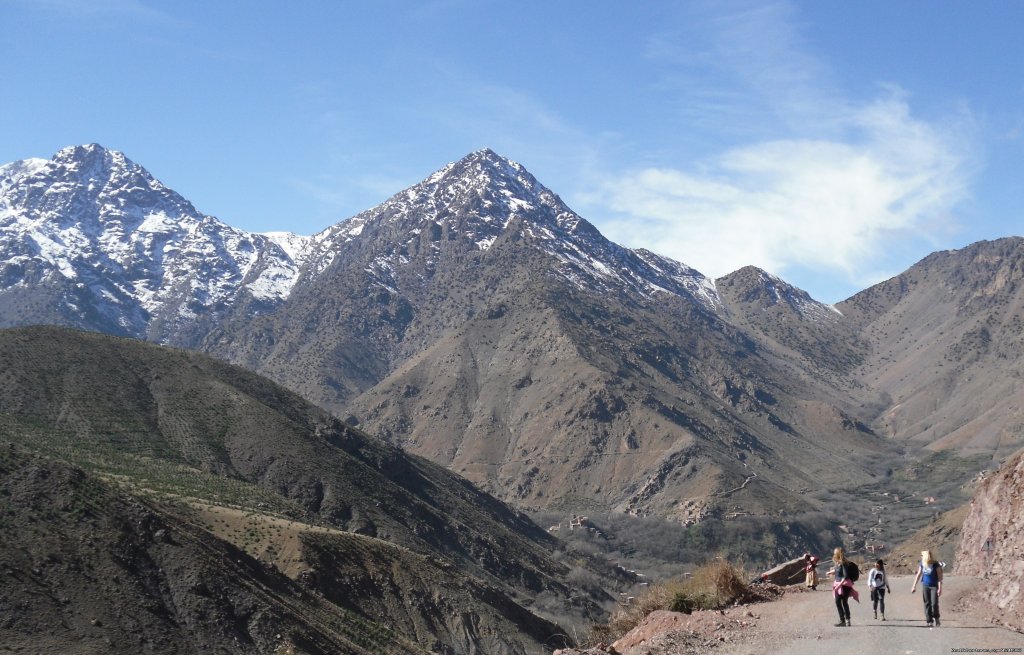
[
  {"x": 182, "y": 425},
  {"x": 477, "y": 320},
  {"x": 788, "y": 320},
  {"x": 947, "y": 349},
  {"x": 992, "y": 542}
]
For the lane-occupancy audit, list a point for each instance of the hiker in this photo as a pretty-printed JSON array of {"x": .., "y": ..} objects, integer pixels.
[
  {"x": 811, "y": 568},
  {"x": 844, "y": 573},
  {"x": 878, "y": 583},
  {"x": 929, "y": 572}
]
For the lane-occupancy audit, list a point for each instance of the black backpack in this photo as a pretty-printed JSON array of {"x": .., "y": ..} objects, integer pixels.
[{"x": 852, "y": 572}]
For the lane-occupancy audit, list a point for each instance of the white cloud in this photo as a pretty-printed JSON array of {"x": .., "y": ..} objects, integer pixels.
[
  {"x": 837, "y": 184},
  {"x": 818, "y": 204}
]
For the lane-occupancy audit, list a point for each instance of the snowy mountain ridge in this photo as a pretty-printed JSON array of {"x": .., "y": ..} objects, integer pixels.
[
  {"x": 127, "y": 243},
  {"x": 485, "y": 197},
  {"x": 773, "y": 290},
  {"x": 120, "y": 245}
]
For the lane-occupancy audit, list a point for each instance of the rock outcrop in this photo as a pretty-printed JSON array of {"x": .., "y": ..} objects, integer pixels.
[
  {"x": 992, "y": 542},
  {"x": 787, "y": 573}
]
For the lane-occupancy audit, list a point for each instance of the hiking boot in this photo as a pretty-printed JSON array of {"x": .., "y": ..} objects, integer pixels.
[
  {"x": 929, "y": 624},
  {"x": 876, "y": 616},
  {"x": 936, "y": 622},
  {"x": 883, "y": 617},
  {"x": 841, "y": 624}
]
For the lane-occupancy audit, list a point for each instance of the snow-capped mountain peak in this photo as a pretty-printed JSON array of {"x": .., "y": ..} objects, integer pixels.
[
  {"x": 482, "y": 197},
  {"x": 117, "y": 245},
  {"x": 123, "y": 247}
]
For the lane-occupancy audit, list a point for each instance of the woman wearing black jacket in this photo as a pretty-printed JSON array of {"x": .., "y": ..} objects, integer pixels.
[{"x": 842, "y": 586}]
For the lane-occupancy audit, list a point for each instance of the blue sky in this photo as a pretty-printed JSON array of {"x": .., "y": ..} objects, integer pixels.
[{"x": 831, "y": 143}]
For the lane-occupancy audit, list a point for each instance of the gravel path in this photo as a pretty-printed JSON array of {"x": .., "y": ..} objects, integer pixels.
[{"x": 801, "y": 623}]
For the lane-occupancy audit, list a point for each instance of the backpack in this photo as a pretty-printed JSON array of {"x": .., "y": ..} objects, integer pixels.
[{"x": 852, "y": 572}]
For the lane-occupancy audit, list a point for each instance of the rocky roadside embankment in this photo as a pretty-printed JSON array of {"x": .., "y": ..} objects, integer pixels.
[{"x": 992, "y": 544}]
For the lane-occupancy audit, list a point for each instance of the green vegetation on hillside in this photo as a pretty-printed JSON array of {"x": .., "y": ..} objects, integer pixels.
[{"x": 138, "y": 466}]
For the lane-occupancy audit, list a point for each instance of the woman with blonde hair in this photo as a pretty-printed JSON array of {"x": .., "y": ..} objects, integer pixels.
[
  {"x": 842, "y": 585},
  {"x": 929, "y": 572}
]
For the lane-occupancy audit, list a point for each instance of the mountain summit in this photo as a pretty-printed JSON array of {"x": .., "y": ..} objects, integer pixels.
[
  {"x": 484, "y": 200},
  {"x": 106, "y": 246}
]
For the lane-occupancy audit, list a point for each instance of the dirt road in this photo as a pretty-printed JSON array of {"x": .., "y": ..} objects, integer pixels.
[{"x": 802, "y": 624}]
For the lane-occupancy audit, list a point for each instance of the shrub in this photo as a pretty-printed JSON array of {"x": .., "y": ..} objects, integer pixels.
[{"x": 712, "y": 586}]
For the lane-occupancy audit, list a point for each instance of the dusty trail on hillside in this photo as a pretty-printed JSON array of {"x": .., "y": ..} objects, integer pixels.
[{"x": 802, "y": 624}]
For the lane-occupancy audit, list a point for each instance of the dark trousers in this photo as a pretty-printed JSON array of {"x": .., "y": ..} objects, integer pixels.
[
  {"x": 843, "y": 604},
  {"x": 878, "y": 599},
  {"x": 931, "y": 603}
]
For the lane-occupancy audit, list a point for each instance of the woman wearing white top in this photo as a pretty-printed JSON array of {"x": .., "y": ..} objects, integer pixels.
[{"x": 878, "y": 584}]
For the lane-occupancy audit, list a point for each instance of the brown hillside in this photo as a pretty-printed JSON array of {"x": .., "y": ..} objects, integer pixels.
[
  {"x": 182, "y": 424},
  {"x": 947, "y": 349},
  {"x": 85, "y": 568}
]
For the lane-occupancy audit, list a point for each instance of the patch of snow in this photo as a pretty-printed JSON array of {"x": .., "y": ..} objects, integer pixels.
[
  {"x": 12, "y": 173},
  {"x": 355, "y": 230},
  {"x": 294, "y": 245},
  {"x": 517, "y": 204},
  {"x": 109, "y": 296},
  {"x": 158, "y": 222},
  {"x": 275, "y": 282}
]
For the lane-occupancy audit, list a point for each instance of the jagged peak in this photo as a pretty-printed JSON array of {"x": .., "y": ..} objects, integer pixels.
[
  {"x": 90, "y": 204},
  {"x": 92, "y": 185},
  {"x": 94, "y": 158},
  {"x": 83, "y": 150},
  {"x": 489, "y": 157},
  {"x": 752, "y": 276},
  {"x": 90, "y": 166},
  {"x": 483, "y": 196},
  {"x": 87, "y": 161},
  {"x": 485, "y": 169},
  {"x": 754, "y": 285},
  {"x": 484, "y": 189},
  {"x": 486, "y": 154}
]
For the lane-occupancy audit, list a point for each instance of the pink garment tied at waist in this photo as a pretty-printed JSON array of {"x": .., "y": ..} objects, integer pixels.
[{"x": 839, "y": 584}]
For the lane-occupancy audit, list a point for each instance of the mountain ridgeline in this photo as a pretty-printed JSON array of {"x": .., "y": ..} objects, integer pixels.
[{"x": 476, "y": 320}]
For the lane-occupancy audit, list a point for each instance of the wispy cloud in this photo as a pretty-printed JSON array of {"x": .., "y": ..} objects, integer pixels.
[
  {"x": 818, "y": 204},
  {"x": 842, "y": 179}
]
